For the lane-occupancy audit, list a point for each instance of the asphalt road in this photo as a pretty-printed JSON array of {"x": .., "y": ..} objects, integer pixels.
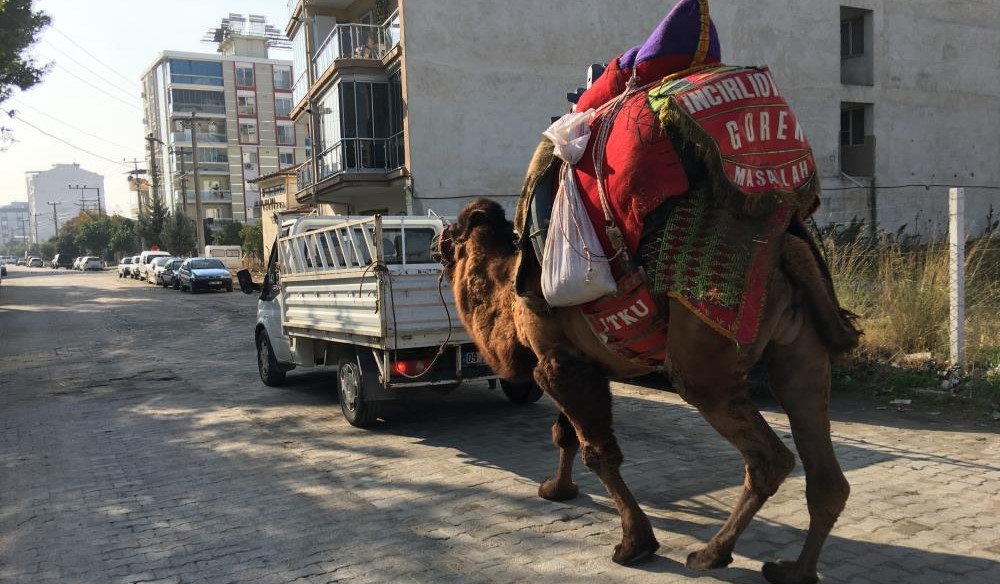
[{"x": 138, "y": 445}]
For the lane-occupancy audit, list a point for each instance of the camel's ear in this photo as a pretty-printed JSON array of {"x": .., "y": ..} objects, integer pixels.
[{"x": 475, "y": 219}]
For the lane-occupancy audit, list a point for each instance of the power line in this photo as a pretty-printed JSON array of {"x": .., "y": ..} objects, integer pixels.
[
  {"x": 98, "y": 88},
  {"x": 92, "y": 56},
  {"x": 129, "y": 91},
  {"x": 16, "y": 116},
  {"x": 923, "y": 186},
  {"x": 68, "y": 125}
]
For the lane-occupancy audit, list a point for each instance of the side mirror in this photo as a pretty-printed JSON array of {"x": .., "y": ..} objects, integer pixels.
[{"x": 247, "y": 285}]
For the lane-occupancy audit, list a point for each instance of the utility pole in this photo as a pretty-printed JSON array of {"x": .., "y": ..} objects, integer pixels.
[
  {"x": 136, "y": 173},
  {"x": 199, "y": 221},
  {"x": 55, "y": 220},
  {"x": 153, "y": 174},
  {"x": 83, "y": 200},
  {"x": 35, "y": 215}
]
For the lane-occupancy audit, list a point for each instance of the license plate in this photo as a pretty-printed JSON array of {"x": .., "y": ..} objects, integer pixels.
[
  {"x": 472, "y": 358},
  {"x": 215, "y": 283}
]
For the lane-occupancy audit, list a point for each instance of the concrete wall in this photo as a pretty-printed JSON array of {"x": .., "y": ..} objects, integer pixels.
[{"x": 484, "y": 77}]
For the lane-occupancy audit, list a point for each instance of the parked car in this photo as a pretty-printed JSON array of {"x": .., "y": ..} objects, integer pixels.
[
  {"x": 35, "y": 262},
  {"x": 123, "y": 266},
  {"x": 155, "y": 267},
  {"x": 146, "y": 258},
  {"x": 204, "y": 274},
  {"x": 133, "y": 270},
  {"x": 76, "y": 262},
  {"x": 19, "y": 262},
  {"x": 91, "y": 263},
  {"x": 168, "y": 275},
  {"x": 62, "y": 261}
]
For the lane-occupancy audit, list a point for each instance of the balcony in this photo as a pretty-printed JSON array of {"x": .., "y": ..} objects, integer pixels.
[
  {"x": 300, "y": 89},
  {"x": 203, "y": 137},
  {"x": 357, "y": 41},
  {"x": 210, "y": 196},
  {"x": 356, "y": 156}
]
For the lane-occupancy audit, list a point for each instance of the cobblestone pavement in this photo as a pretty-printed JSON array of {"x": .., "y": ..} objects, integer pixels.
[{"x": 137, "y": 445}]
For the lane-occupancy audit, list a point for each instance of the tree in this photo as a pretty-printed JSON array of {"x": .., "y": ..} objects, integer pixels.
[
  {"x": 19, "y": 27},
  {"x": 151, "y": 222},
  {"x": 178, "y": 233},
  {"x": 93, "y": 235},
  {"x": 253, "y": 239},
  {"x": 229, "y": 234},
  {"x": 124, "y": 240}
]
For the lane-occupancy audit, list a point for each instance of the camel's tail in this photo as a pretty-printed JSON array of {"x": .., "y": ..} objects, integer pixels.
[{"x": 801, "y": 260}]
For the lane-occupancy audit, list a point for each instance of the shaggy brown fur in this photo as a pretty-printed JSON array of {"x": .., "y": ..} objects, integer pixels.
[{"x": 801, "y": 328}]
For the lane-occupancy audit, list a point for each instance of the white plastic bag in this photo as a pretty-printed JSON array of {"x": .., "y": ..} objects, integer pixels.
[
  {"x": 570, "y": 135},
  {"x": 574, "y": 269}
]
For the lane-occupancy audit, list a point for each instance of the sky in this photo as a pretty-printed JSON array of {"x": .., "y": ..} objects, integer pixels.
[{"x": 90, "y": 96}]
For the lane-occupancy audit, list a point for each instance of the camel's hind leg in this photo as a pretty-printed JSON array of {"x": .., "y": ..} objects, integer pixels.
[
  {"x": 800, "y": 379},
  {"x": 561, "y": 486},
  {"x": 582, "y": 392},
  {"x": 706, "y": 367}
]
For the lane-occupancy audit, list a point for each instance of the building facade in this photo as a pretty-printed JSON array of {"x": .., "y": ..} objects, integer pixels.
[
  {"x": 241, "y": 100},
  {"x": 14, "y": 222},
  {"x": 59, "y": 194},
  {"x": 420, "y": 105}
]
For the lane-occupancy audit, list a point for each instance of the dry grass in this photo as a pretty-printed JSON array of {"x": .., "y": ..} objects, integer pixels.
[{"x": 901, "y": 293}]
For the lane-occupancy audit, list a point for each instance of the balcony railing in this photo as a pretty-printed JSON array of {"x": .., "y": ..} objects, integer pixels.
[
  {"x": 357, "y": 41},
  {"x": 356, "y": 155},
  {"x": 199, "y": 108},
  {"x": 202, "y": 137},
  {"x": 209, "y": 196},
  {"x": 300, "y": 88}
]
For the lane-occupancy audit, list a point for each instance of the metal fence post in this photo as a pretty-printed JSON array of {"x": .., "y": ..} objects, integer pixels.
[{"x": 956, "y": 272}]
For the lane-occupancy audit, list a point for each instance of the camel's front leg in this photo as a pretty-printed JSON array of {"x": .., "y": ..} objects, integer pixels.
[
  {"x": 561, "y": 486},
  {"x": 582, "y": 392}
]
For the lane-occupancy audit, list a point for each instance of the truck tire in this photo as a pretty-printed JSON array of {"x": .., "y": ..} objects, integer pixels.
[
  {"x": 350, "y": 389},
  {"x": 271, "y": 372},
  {"x": 521, "y": 393}
]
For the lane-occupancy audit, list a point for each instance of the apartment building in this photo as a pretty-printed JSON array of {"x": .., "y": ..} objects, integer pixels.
[
  {"x": 240, "y": 100},
  {"x": 59, "y": 194},
  {"x": 420, "y": 105},
  {"x": 14, "y": 222}
]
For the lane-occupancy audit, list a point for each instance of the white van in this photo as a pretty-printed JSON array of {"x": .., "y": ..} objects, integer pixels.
[
  {"x": 145, "y": 270},
  {"x": 231, "y": 256}
]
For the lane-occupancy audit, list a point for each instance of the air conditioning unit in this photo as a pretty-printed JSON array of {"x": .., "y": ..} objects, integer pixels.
[{"x": 247, "y": 166}]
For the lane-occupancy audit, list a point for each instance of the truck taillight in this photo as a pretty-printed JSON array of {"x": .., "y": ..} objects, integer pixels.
[{"x": 411, "y": 367}]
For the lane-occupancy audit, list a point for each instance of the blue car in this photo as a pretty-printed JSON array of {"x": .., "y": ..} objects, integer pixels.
[{"x": 204, "y": 274}]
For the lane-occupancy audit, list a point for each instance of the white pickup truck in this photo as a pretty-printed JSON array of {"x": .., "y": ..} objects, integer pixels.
[{"x": 364, "y": 295}]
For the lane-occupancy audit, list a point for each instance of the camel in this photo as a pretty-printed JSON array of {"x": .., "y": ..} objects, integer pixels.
[{"x": 802, "y": 328}]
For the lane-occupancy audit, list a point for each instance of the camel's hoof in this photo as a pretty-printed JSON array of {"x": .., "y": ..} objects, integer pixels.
[
  {"x": 784, "y": 572},
  {"x": 635, "y": 553},
  {"x": 552, "y": 490},
  {"x": 704, "y": 559}
]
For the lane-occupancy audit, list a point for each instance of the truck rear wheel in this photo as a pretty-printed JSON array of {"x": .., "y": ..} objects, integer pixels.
[
  {"x": 521, "y": 393},
  {"x": 350, "y": 388},
  {"x": 271, "y": 372}
]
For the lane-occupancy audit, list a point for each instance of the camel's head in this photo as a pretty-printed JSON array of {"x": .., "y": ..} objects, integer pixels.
[{"x": 481, "y": 224}]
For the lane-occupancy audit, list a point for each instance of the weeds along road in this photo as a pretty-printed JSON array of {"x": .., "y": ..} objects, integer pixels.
[{"x": 138, "y": 445}]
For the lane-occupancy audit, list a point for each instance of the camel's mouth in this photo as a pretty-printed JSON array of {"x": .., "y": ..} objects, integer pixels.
[{"x": 442, "y": 247}]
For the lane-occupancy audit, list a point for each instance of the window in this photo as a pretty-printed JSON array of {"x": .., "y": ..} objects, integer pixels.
[
  {"x": 285, "y": 134},
  {"x": 244, "y": 75},
  {"x": 213, "y": 155},
  {"x": 852, "y": 37},
  {"x": 857, "y": 63},
  {"x": 195, "y": 72},
  {"x": 192, "y": 100},
  {"x": 246, "y": 105},
  {"x": 857, "y": 142},
  {"x": 286, "y": 159},
  {"x": 248, "y": 132},
  {"x": 852, "y": 127},
  {"x": 282, "y": 106},
  {"x": 282, "y": 78},
  {"x": 250, "y": 157}
]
